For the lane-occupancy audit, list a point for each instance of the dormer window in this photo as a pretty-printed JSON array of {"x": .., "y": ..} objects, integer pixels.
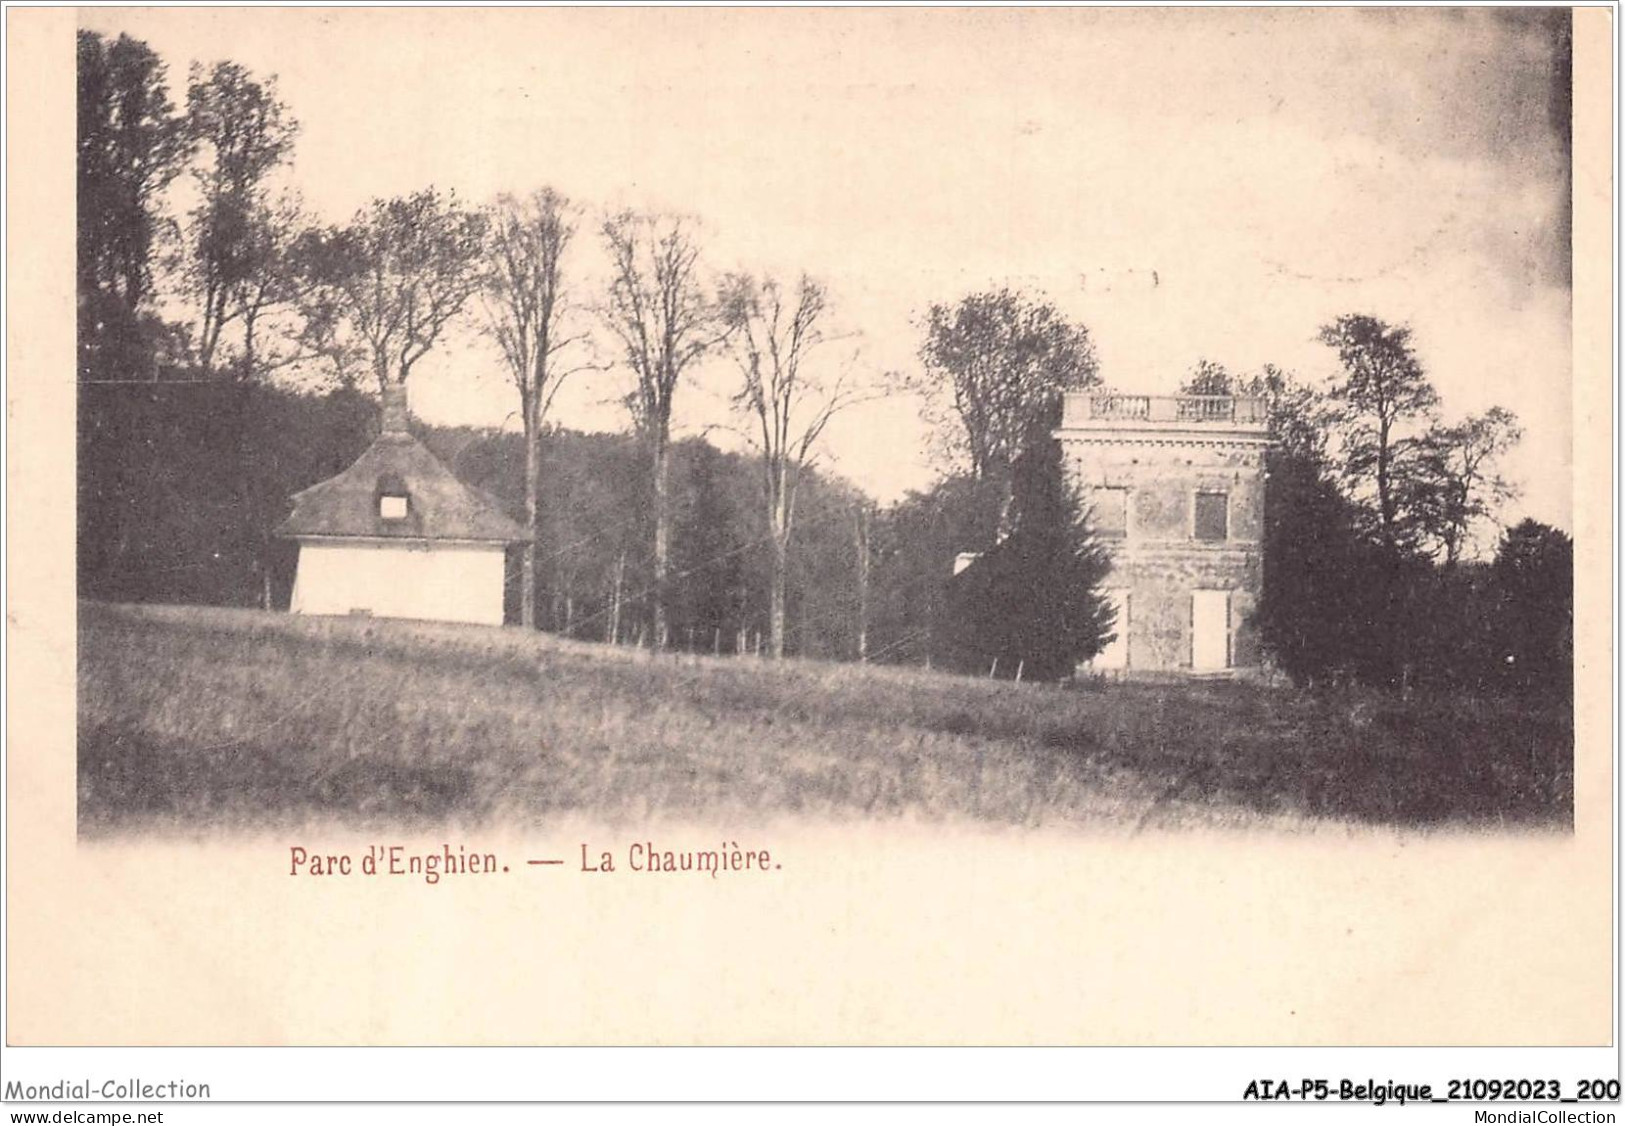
[{"x": 393, "y": 501}]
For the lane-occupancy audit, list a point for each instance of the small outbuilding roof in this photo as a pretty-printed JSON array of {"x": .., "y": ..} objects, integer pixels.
[{"x": 439, "y": 506}]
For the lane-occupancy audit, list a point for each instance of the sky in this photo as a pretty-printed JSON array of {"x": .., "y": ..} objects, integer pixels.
[{"x": 1187, "y": 183}]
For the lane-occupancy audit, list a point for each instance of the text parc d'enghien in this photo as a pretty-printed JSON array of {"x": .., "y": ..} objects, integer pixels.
[{"x": 431, "y": 866}]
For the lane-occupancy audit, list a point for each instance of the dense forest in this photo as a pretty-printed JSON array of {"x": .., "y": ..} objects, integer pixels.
[{"x": 181, "y": 484}]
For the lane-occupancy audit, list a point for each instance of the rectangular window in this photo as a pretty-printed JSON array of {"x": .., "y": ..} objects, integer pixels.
[
  {"x": 392, "y": 508},
  {"x": 1108, "y": 512},
  {"x": 1212, "y": 516}
]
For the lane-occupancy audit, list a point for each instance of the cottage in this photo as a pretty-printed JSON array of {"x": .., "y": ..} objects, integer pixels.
[
  {"x": 1175, "y": 487},
  {"x": 397, "y": 535}
]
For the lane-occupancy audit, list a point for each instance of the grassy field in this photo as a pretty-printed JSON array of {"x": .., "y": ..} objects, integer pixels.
[{"x": 194, "y": 719}]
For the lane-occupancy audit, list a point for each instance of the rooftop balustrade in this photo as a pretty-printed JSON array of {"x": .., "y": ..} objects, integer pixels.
[{"x": 1089, "y": 409}]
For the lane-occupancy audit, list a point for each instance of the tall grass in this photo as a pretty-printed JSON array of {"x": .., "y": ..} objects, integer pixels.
[{"x": 194, "y": 719}]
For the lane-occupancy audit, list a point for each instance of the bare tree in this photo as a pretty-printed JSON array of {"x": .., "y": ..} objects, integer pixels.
[
  {"x": 389, "y": 283},
  {"x": 773, "y": 332},
  {"x": 525, "y": 307},
  {"x": 862, "y": 519},
  {"x": 658, "y": 312},
  {"x": 274, "y": 288}
]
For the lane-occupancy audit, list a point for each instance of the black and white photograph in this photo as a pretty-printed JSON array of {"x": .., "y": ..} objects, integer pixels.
[
  {"x": 735, "y": 488},
  {"x": 1044, "y": 507}
]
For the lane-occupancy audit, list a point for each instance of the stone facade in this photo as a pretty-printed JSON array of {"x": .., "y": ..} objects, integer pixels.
[{"x": 1175, "y": 488}]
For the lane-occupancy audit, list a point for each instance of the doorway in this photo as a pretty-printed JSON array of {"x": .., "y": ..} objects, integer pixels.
[
  {"x": 1115, "y": 654},
  {"x": 1210, "y": 630}
]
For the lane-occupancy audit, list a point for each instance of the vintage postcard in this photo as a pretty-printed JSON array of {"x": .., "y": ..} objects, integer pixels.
[{"x": 870, "y": 527}]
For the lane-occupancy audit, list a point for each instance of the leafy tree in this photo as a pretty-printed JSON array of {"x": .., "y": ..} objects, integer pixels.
[
  {"x": 657, "y": 310},
  {"x": 1380, "y": 411},
  {"x": 994, "y": 362},
  {"x": 1316, "y": 567},
  {"x": 914, "y": 544},
  {"x": 1534, "y": 582},
  {"x": 1455, "y": 636},
  {"x": 1382, "y": 398},
  {"x": 385, "y": 287},
  {"x": 1208, "y": 378},
  {"x": 526, "y": 303},
  {"x": 234, "y": 246},
  {"x": 131, "y": 145},
  {"x": 1033, "y": 602},
  {"x": 1297, "y": 412},
  {"x": 1298, "y": 417},
  {"x": 823, "y": 588},
  {"x": 1338, "y": 601},
  {"x": 1311, "y": 613},
  {"x": 773, "y": 332},
  {"x": 592, "y": 521},
  {"x": 714, "y": 530},
  {"x": 179, "y": 488},
  {"x": 271, "y": 335}
]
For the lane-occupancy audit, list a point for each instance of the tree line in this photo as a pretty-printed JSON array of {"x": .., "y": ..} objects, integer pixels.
[
  {"x": 1371, "y": 507},
  {"x": 269, "y": 288},
  {"x": 226, "y": 357}
]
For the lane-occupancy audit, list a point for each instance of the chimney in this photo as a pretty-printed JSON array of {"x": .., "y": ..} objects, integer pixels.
[{"x": 395, "y": 408}]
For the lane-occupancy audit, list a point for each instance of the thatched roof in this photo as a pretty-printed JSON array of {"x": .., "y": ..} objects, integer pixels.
[{"x": 439, "y": 506}]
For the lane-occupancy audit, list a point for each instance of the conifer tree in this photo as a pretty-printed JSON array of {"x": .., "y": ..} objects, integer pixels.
[{"x": 1033, "y": 606}]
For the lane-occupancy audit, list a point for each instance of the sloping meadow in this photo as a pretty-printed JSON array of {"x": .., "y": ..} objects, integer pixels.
[{"x": 198, "y": 720}]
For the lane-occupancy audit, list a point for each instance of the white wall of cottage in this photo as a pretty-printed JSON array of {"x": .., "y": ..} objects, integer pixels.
[{"x": 427, "y": 581}]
